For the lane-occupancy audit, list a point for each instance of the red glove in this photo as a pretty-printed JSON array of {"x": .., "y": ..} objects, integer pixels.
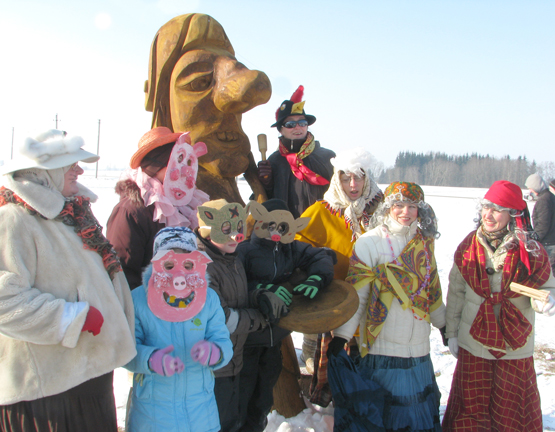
[
  {"x": 93, "y": 322},
  {"x": 265, "y": 172}
]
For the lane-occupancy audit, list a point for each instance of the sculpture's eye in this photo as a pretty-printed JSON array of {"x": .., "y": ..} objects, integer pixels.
[{"x": 196, "y": 82}]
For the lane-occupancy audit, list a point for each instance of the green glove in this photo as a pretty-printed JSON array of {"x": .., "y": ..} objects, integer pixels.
[
  {"x": 309, "y": 288},
  {"x": 278, "y": 290}
]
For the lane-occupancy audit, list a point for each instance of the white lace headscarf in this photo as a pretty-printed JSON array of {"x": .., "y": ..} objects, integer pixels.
[{"x": 358, "y": 162}]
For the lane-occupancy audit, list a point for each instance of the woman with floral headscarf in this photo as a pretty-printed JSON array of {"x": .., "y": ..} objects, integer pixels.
[
  {"x": 489, "y": 326},
  {"x": 336, "y": 222},
  {"x": 394, "y": 272}
]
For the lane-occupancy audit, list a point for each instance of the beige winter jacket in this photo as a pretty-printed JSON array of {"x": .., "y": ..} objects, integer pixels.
[
  {"x": 402, "y": 335},
  {"x": 463, "y": 304},
  {"x": 47, "y": 282}
]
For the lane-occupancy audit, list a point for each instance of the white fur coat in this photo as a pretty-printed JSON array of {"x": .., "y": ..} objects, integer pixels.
[{"x": 47, "y": 283}]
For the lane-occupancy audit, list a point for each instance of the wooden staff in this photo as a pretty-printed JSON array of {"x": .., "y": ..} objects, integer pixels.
[
  {"x": 262, "y": 145},
  {"x": 537, "y": 294}
]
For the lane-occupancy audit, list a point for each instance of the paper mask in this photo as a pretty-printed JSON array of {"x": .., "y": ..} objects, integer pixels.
[
  {"x": 177, "y": 287},
  {"x": 181, "y": 175},
  {"x": 277, "y": 225},
  {"x": 226, "y": 223}
]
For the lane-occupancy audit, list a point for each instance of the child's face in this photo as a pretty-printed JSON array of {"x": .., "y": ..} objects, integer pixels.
[
  {"x": 177, "y": 287},
  {"x": 228, "y": 247}
]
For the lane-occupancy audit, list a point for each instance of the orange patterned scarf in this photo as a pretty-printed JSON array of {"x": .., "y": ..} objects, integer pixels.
[
  {"x": 511, "y": 328},
  {"x": 76, "y": 213}
]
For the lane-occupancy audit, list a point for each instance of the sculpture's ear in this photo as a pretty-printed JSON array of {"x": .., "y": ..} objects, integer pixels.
[
  {"x": 258, "y": 211},
  {"x": 300, "y": 224},
  {"x": 200, "y": 149}
]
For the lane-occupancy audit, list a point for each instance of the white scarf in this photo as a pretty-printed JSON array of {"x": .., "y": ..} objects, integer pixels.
[{"x": 338, "y": 200}]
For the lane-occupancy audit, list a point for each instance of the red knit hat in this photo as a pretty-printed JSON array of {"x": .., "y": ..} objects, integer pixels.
[{"x": 506, "y": 194}]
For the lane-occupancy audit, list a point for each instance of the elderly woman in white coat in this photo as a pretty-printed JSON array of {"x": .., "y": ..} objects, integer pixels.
[
  {"x": 66, "y": 315},
  {"x": 394, "y": 271}
]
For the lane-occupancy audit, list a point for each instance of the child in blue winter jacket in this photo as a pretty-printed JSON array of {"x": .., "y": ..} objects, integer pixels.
[{"x": 181, "y": 338}]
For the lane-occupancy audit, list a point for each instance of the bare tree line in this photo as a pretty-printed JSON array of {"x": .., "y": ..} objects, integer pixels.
[{"x": 440, "y": 169}]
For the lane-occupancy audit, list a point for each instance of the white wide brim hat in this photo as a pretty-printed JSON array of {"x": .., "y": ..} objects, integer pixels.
[{"x": 50, "y": 150}]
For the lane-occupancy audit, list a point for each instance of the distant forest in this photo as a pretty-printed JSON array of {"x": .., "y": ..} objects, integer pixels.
[{"x": 470, "y": 170}]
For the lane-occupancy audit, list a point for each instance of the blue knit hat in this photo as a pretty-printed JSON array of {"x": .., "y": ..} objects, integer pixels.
[{"x": 175, "y": 237}]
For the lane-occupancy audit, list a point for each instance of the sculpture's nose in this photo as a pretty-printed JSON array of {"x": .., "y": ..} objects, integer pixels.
[{"x": 238, "y": 88}]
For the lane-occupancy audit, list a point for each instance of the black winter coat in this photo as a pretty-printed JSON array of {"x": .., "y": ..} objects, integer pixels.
[
  {"x": 543, "y": 217},
  {"x": 228, "y": 279},
  {"x": 266, "y": 261},
  {"x": 299, "y": 195}
]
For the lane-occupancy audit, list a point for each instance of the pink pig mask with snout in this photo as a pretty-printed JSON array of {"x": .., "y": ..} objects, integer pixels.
[
  {"x": 181, "y": 175},
  {"x": 177, "y": 287}
]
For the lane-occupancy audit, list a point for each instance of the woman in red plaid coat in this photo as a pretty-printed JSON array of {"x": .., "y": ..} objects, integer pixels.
[{"x": 491, "y": 328}]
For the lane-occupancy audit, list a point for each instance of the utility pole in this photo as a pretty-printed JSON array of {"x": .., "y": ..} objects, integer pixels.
[
  {"x": 97, "y": 148},
  {"x": 12, "y": 141},
  {"x": 56, "y": 120}
]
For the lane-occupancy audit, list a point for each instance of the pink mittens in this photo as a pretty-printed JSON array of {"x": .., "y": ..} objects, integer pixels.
[
  {"x": 206, "y": 353},
  {"x": 164, "y": 364}
]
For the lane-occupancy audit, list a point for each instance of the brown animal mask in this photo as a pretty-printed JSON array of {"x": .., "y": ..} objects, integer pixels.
[{"x": 277, "y": 225}]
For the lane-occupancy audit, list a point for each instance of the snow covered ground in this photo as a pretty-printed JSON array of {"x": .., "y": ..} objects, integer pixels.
[{"x": 455, "y": 209}]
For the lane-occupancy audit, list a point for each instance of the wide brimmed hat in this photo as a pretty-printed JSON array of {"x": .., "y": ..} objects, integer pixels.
[
  {"x": 293, "y": 106},
  {"x": 49, "y": 150},
  {"x": 154, "y": 138}
]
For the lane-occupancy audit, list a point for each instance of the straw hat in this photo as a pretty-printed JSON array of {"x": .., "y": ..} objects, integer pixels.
[{"x": 154, "y": 138}]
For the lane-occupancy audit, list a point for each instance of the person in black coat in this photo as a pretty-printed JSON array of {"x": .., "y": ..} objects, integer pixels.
[
  {"x": 543, "y": 215},
  {"x": 299, "y": 172},
  {"x": 270, "y": 259}
]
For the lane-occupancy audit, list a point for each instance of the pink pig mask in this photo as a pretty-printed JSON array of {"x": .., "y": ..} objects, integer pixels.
[
  {"x": 177, "y": 287},
  {"x": 181, "y": 175}
]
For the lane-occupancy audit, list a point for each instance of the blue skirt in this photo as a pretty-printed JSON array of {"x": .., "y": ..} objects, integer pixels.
[{"x": 414, "y": 397}]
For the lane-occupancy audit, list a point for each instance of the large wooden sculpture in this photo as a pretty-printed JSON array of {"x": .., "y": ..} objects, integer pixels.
[{"x": 196, "y": 84}]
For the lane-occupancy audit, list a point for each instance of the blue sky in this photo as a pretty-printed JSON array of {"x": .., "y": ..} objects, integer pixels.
[{"x": 451, "y": 76}]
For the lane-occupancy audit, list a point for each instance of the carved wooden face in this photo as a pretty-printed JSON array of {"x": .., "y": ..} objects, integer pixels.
[
  {"x": 277, "y": 225},
  {"x": 209, "y": 91}
]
